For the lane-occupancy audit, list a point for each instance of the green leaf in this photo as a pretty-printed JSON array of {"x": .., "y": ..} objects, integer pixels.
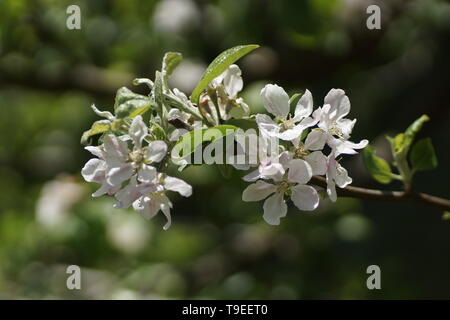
[
  {"x": 98, "y": 127},
  {"x": 423, "y": 156},
  {"x": 127, "y": 102},
  {"x": 415, "y": 127},
  {"x": 170, "y": 61},
  {"x": 158, "y": 90},
  {"x": 191, "y": 140},
  {"x": 403, "y": 141},
  {"x": 219, "y": 65},
  {"x": 378, "y": 167}
]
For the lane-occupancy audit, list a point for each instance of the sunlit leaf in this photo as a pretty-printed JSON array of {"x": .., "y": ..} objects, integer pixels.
[
  {"x": 191, "y": 140},
  {"x": 170, "y": 61},
  {"x": 219, "y": 65},
  {"x": 98, "y": 127}
]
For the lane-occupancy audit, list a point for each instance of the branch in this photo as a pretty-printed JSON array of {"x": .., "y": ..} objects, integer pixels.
[{"x": 392, "y": 196}]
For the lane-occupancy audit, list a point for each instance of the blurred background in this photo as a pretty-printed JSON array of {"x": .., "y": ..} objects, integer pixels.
[{"x": 218, "y": 247}]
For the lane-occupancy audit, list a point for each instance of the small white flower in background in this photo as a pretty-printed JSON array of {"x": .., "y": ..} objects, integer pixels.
[
  {"x": 227, "y": 86},
  {"x": 335, "y": 175},
  {"x": 285, "y": 127},
  {"x": 333, "y": 129},
  {"x": 294, "y": 186}
]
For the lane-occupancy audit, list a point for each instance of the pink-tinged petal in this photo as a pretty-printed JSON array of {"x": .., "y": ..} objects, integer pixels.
[
  {"x": 304, "y": 106},
  {"x": 266, "y": 125},
  {"x": 331, "y": 189},
  {"x": 318, "y": 162},
  {"x": 127, "y": 195},
  {"x": 339, "y": 102},
  {"x": 178, "y": 185},
  {"x": 270, "y": 170},
  {"x": 115, "y": 149},
  {"x": 275, "y": 100},
  {"x": 146, "y": 173},
  {"x": 274, "y": 208},
  {"x": 299, "y": 171},
  {"x": 93, "y": 170},
  {"x": 305, "y": 198},
  {"x": 258, "y": 191},
  {"x": 316, "y": 140},
  {"x": 138, "y": 131},
  {"x": 117, "y": 175},
  {"x": 156, "y": 151},
  {"x": 147, "y": 207},
  {"x": 252, "y": 176}
]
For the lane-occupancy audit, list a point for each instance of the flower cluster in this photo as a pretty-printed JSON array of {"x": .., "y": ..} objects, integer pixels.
[
  {"x": 145, "y": 133},
  {"x": 130, "y": 173},
  {"x": 303, "y": 138}
]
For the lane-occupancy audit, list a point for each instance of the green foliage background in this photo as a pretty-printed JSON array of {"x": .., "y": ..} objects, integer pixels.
[{"x": 218, "y": 246}]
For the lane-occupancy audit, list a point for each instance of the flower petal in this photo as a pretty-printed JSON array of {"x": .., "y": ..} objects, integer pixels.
[
  {"x": 178, "y": 185},
  {"x": 304, "y": 105},
  {"x": 117, "y": 175},
  {"x": 275, "y": 100},
  {"x": 274, "y": 208},
  {"x": 146, "y": 173},
  {"x": 339, "y": 102},
  {"x": 232, "y": 81},
  {"x": 299, "y": 171},
  {"x": 156, "y": 151},
  {"x": 116, "y": 150},
  {"x": 291, "y": 134},
  {"x": 138, "y": 131},
  {"x": 96, "y": 151},
  {"x": 93, "y": 170},
  {"x": 258, "y": 191},
  {"x": 305, "y": 198},
  {"x": 316, "y": 140},
  {"x": 318, "y": 162}
]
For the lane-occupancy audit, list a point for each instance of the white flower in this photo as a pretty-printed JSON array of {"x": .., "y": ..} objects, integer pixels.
[
  {"x": 303, "y": 196},
  {"x": 116, "y": 163},
  {"x": 334, "y": 129},
  {"x": 227, "y": 86},
  {"x": 335, "y": 175},
  {"x": 154, "y": 199},
  {"x": 285, "y": 127},
  {"x": 268, "y": 158}
]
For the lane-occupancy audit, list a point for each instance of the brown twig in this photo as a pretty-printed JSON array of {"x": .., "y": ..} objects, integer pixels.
[{"x": 392, "y": 196}]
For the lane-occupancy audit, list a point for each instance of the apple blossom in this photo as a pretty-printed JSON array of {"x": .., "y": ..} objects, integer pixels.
[{"x": 285, "y": 127}]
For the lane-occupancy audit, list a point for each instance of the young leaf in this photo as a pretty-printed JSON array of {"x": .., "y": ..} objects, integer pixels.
[
  {"x": 97, "y": 128},
  {"x": 423, "y": 156},
  {"x": 378, "y": 167},
  {"x": 191, "y": 140},
  {"x": 170, "y": 61},
  {"x": 127, "y": 102},
  {"x": 219, "y": 65}
]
